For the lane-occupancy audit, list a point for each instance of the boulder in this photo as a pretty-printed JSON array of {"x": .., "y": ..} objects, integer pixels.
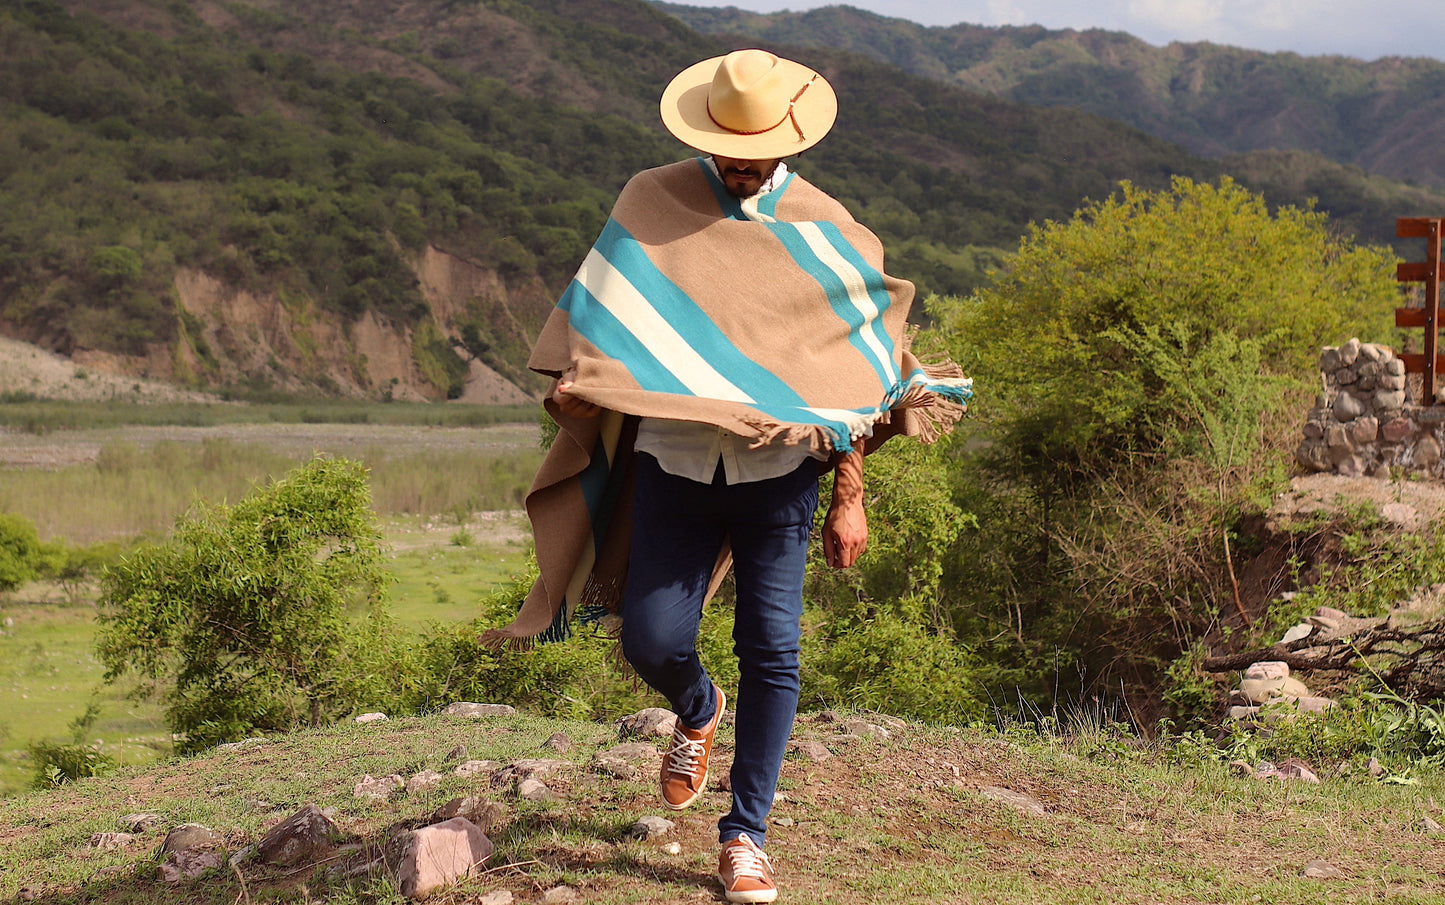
[
  {"x": 438, "y": 856},
  {"x": 298, "y": 838},
  {"x": 1347, "y": 408},
  {"x": 190, "y": 850}
]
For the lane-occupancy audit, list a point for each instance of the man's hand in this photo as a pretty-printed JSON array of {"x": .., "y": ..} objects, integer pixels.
[
  {"x": 845, "y": 527},
  {"x": 571, "y": 405}
]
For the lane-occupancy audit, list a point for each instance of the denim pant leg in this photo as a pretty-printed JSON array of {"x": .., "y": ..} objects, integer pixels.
[
  {"x": 675, "y": 540},
  {"x": 769, "y": 529}
]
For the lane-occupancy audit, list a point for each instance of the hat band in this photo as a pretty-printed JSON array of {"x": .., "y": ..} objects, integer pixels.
[{"x": 786, "y": 116}]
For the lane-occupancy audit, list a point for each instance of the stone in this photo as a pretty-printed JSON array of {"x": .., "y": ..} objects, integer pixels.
[
  {"x": 651, "y": 722},
  {"x": 190, "y": 850},
  {"x": 500, "y": 897},
  {"x": 1364, "y": 430},
  {"x": 559, "y": 742},
  {"x": 1369, "y": 368},
  {"x": 1297, "y": 769},
  {"x": 1258, "y": 691},
  {"x": 1330, "y": 359},
  {"x": 533, "y": 790},
  {"x": 139, "y": 823},
  {"x": 191, "y": 836},
  {"x": 1242, "y": 713},
  {"x": 438, "y": 856},
  {"x": 378, "y": 789},
  {"x": 1429, "y": 825},
  {"x": 457, "y": 753},
  {"x": 1347, "y": 407},
  {"x": 485, "y": 814},
  {"x": 370, "y": 718},
  {"x": 628, "y": 761},
  {"x": 1391, "y": 381},
  {"x": 808, "y": 749},
  {"x": 426, "y": 779},
  {"x": 1349, "y": 352},
  {"x": 108, "y": 842},
  {"x": 1344, "y": 377},
  {"x": 1026, "y": 804},
  {"x": 476, "y": 768},
  {"x": 1336, "y": 436},
  {"x": 1313, "y": 454},
  {"x": 1374, "y": 352},
  {"x": 1329, "y": 612},
  {"x": 561, "y": 895},
  {"x": 1321, "y": 870},
  {"x": 1395, "y": 367},
  {"x": 1396, "y": 430},
  {"x": 1313, "y": 704},
  {"x": 1389, "y": 400},
  {"x": 1297, "y": 632},
  {"x": 477, "y": 711},
  {"x": 1350, "y": 466},
  {"x": 297, "y": 838},
  {"x": 1314, "y": 430},
  {"x": 528, "y": 769},
  {"x": 672, "y": 848},
  {"x": 1267, "y": 669},
  {"x": 864, "y": 729},
  {"x": 783, "y": 821},
  {"x": 1426, "y": 452},
  {"x": 651, "y": 828},
  {"x": 1366, "y": 384},
  {"x": 1375, "y": 768}
]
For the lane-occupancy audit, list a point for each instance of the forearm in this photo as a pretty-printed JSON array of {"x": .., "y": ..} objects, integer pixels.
[
  {"x": 848, "y": 479},
  {"x": 845, "y": 527}
]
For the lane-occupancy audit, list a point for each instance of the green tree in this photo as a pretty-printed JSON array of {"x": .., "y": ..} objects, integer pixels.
[
  {"x": 19, "y": 551},
  {"x": 245, "y": 612}
]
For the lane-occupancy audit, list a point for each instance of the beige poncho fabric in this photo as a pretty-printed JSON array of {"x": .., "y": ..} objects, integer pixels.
[{"x": 770, "y": 317}]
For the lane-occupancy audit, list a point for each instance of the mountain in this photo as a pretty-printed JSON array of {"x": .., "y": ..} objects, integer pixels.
[
  {"x": 1386, "y": 117},
  {"x": 370, "y": 198}
]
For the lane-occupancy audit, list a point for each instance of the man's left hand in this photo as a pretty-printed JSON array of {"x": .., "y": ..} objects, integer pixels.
[{"x": 845, "y": 527}]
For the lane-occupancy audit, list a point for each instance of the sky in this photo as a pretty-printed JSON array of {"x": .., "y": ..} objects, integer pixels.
[{"x": 1367, "y": 29}]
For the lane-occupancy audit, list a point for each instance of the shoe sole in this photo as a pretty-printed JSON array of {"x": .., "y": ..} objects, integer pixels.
[
  {"x": 682, "y": 806},
  {"x": 747, "y": 898}
]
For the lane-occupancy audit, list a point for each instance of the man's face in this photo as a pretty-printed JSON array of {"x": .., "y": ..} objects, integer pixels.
[{"x": 744, "y": 178}]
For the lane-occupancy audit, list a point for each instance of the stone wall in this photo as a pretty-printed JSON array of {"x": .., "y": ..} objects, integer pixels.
[{"x": 1362, "y": 424}]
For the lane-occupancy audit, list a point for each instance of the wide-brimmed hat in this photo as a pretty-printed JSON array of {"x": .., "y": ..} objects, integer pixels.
[{"x": 750, "y": 104}]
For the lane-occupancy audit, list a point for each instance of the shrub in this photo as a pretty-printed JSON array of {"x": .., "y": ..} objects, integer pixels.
[{"x": 19, "y": 551}]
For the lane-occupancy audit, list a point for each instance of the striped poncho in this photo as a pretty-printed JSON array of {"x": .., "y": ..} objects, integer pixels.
[{"x": 770, "y": 317}]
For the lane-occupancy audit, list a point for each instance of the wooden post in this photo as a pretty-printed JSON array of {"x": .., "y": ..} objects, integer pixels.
[{"x": 1428, "y": 364}]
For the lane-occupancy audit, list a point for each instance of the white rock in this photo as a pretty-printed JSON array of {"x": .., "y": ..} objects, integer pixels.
[
  {"x": 1268, "y": 669},
  {"x": 370, "y": 718},
  {"x": 437, "y": 856},
  {"x": 380, "y": 789},
  {"x": 110, "y": 841},
  {"x": 1026, "y": 804},
  {"x": 533, "y": 790},
  {"x": 672, "y": 848},
  {"x": 477, "y": 711},
  {"x": 476, "y": 767},
  {"x": 1321, "y": 870},
  {"x": 1297, "y": 632},
  {"x": 426, "y": 779}
]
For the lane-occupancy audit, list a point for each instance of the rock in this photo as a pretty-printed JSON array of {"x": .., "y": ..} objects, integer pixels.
[
  {"x": 808, "y": 749},
  {"x": 500, "y": 897},
  {"x": 1313, "y": 454},
  {"x": 558, "y": 742},
  {"x": 1296, "y": 632},
  {"x": 1297, "y": 769},
  {"x": 1427, "y": 451},
  {"x": 1258, "y": 691},
  {"x": 371, "y": 718},
  {"x": 139, "y": 823},
  {"x": 1389, "y": 400},
  {"x": 476, "y": 768},
  {"x": 1026, "y": 804},
  {"x": 378, "y": 789},
  {"x": 1395, "y": 367},
  {"x": 107, "y": 842},
  {"x": 1375, "y": 352},
  {"x": 1314, "y": 430},
  {"x": 1268, "y": 669},
  {"x": 477, "y": 711},
  {"x": 1313, "y": 704},
  {"x": 1429, "y": 825},
  {"x": 1330, "y": 359},
  {"x": 1391, "y": 381},
  {"x": 1366, "y": 383},
  {"x": 527, "y": 769},
  {"x": 1375, "y": 768},
  {"x": 1344, "y": 377},
  {"x": 1321, "y": 870},
  {"x": 672, "y": 848},
  {"x": 435, "y": 857},
  {"x": 1401, "y": 515},
  {"x": 485, "y": 814},
  {"x": 1350, "y": 466},
  {"x": 426, "y": 779},
  {"x": 651, "y": 828},
  {"x": 190, "y": 850},
  {"x": 561, "y": 895},
  {"x": 628, "y": 761},
  {"x": 1396, "y": 430},
  {"x": 297, "y": 838},
  {"x": 533, "y": 790},
  {"x": 1242, "y": 713},
  {"x": 1337, "y": 436},
  {"x": 783, "y": 821},
  {"x": 649, "y": 723},
  {"x": 1364, "y": 430},
  {"x": 457, "y": 753},
  {"x": 864, "y": 729},
  {"x": 1347, "y": 408},
  {"x": 1349, "y": 352}
]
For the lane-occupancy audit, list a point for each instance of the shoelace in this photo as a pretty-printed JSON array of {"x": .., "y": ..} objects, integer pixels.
[
  {"x": 684, "y": 754},
  {"x": 747, "y": 860}
]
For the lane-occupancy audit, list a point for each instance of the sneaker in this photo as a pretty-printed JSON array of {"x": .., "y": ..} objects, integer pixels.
[
  {"x": 747, "y": 874},
  {"x": 684, "y": 767}
]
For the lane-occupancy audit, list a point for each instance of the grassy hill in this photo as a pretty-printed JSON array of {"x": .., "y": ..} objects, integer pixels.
[
  {"x": 1382, "y": 116},
  {"x": 246, "y": 195},
  {"x": 916, "y": 817}
]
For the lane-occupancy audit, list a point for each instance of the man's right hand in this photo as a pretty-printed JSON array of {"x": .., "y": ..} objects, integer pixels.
[{"x": 571, "y": 405}]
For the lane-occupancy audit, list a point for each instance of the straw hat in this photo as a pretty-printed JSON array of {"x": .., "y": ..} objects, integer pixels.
[{"x": 750, "y": 104}]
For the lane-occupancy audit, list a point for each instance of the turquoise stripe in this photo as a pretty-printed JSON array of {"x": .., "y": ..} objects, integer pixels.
[
  {"x": 837, "y": 294},
  {"x": 872, "y": 281},
  {"x": 731, "y": 209},
  {"x": 596, "y": 324},
  {"x": 768, "y": 204},
  {"x": 626, "y": 254}
]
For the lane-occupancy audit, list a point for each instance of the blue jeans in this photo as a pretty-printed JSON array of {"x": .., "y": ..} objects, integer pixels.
[{"x": 678, "y": 527}]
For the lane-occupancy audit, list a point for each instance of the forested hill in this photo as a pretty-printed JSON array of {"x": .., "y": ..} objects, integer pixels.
[
  {"x": 1386, "y": 117},
  {"x": 367, "y": 197}
]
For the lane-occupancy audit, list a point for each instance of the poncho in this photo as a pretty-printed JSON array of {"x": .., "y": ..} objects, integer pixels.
[{"x": 770, "y": 317}]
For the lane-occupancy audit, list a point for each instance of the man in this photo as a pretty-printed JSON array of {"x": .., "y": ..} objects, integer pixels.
[{"x": 731, "y": 331}]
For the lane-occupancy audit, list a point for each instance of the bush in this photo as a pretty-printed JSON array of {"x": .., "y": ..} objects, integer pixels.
[{"x": 19, "y": 551}]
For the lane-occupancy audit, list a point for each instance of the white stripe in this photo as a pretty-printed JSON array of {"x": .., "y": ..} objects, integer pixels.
[
  {"x": 856, "y": 422},
  {"x": 857, "y": 292},
  {"x": 617, "y": 294}
]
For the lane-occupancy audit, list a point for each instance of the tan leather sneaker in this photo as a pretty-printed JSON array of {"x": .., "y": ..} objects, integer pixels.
[
  {"x": 747, "y": 874},
  {"x": 684, "y": 767}
]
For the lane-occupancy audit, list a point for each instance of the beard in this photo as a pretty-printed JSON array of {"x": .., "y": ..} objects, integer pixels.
[{"x": 745, "y": 182}]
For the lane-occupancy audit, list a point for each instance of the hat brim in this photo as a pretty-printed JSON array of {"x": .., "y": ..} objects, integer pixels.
[{"x": 685, "y": 114}]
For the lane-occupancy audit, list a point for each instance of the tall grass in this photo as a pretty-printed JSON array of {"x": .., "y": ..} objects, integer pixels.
[
  {"x": 35, "y": 416},
  {"x": 132, "y": 491}
]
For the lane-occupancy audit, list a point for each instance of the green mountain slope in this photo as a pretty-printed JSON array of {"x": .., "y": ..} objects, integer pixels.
[{"x": 1382, "y": 116}]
